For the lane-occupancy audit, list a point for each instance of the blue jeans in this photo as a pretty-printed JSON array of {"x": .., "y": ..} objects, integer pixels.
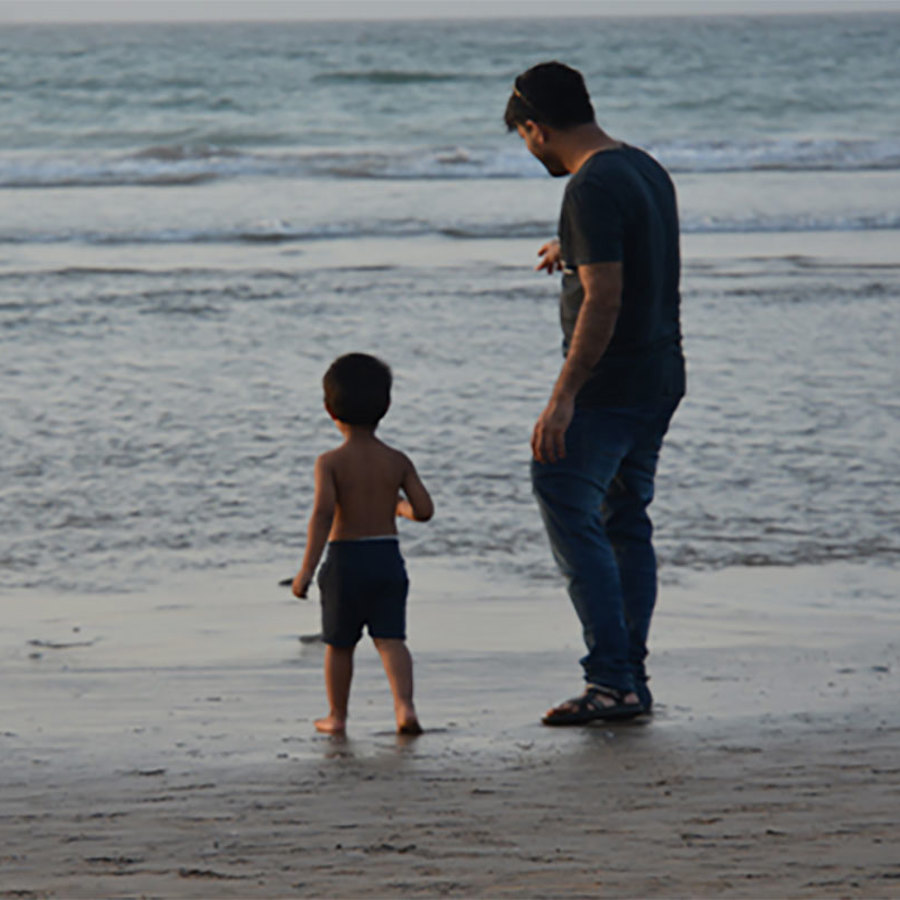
[{"x": 594, "y": 505}]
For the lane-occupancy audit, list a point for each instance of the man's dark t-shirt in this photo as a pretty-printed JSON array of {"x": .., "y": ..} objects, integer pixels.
[{"x": 620, "y": 207}]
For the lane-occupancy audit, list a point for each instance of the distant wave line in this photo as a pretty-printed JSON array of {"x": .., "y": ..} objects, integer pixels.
[
  {"x": 285, "y": 233},
  {"x": 391, "y": 76},
  {"x": 168, "y": 164}
]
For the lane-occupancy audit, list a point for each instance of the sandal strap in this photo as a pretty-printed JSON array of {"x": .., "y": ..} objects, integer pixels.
[
  {"x": 581, "y": 703},
  {"x": 606, "y": 691}
]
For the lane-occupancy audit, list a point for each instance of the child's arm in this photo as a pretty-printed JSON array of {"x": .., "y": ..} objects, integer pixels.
[
  {"x": 417, "y": 505},
  {"x": 319, "y": 527}
]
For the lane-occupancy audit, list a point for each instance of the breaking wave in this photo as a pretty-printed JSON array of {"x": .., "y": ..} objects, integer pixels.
[{"x": 189, "y": 164}]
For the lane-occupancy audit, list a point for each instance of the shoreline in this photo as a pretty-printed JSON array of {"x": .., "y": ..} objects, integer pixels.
[
  {"x": 169, "y": 750},
  {"x": 865, "y": 248}
]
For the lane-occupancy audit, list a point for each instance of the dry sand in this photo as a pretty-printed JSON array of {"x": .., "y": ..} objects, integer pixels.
[{"x": 161, "y": 745}]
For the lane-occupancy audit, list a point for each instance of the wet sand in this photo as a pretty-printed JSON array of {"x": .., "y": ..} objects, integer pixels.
[{"x": 161, "y": 745}]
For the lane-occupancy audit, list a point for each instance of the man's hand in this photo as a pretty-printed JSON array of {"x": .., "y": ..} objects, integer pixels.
[
  {"x": 301, "y": 584},
  {"x": 551, "y": 259},
  {"x": 548, "y": 440}
]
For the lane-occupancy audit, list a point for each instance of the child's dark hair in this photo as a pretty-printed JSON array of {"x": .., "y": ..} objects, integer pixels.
[
  {"x": 549, "y": 93},
  {"x": 358, "y": 389}
]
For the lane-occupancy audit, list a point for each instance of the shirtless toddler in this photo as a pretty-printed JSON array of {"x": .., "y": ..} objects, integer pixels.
[{"x": 360, "y": 489}]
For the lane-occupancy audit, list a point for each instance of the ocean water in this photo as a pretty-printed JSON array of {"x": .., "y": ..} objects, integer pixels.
[{"x": 195, "y": 220}]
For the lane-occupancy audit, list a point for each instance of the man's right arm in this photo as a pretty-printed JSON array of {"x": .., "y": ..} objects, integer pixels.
[{"x": 602, "y": 284}]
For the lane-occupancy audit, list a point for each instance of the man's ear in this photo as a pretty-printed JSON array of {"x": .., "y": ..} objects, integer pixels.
[
  {"x": 329, "y": 410},
  {"x": 536, "y": 131}
]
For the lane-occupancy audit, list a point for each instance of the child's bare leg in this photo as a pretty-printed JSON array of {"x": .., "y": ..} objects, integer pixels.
[
  {"x": 338, "y": 674},
  {"x": 398, "y": 666}
]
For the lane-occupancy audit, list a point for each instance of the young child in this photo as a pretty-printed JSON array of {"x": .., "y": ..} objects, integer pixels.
[{"x": 363, "y": 579}]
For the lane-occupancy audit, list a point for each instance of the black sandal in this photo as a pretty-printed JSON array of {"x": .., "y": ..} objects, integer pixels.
[{"x": 588, "y": 708}]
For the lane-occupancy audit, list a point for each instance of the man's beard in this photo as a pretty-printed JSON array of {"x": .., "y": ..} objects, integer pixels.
[{"x": 552, "y": 164}]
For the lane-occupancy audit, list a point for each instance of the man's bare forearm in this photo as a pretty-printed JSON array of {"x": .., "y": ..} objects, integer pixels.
[
  {"x": 602, "y": 284},
  {"x": 593, "y": 332}
]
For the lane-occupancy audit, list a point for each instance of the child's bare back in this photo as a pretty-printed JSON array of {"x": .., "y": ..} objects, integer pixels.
[{"x": 367, "y": 476}]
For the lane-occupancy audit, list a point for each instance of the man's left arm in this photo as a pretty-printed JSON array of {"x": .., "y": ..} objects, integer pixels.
[{"x": 602, "y": 285}]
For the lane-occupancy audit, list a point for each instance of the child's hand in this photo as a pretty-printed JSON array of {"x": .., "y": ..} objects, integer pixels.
[
  {"x": 404, "y": 508},
  {"x": 300, "y": 585},
  {"x": 414, "y": 502}
]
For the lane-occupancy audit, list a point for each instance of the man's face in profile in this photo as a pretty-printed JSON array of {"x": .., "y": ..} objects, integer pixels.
[{"x": 539, "y": 141}]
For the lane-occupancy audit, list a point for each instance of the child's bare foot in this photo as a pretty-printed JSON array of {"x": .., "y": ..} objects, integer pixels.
[
  {"x": 331, "y": 725},
  {"x": 407, "y": 720},
  {"x": 410, "y": 726}
]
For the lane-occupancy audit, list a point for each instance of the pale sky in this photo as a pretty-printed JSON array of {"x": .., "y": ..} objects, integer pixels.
[{"x": 51, "y": 11}]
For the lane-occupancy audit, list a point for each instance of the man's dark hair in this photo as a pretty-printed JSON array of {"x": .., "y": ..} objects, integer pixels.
[
  {"x": 549, "y": 93},
  {"x": 358, "y": 389}
]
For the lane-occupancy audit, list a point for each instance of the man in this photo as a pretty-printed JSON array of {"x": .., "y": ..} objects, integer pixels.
[{"x": 597, "y": 442}]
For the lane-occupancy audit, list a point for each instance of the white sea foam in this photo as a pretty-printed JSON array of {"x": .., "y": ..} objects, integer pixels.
[
  {"x": 186, "y": 164},
  {"x": 277, "y": 231}
]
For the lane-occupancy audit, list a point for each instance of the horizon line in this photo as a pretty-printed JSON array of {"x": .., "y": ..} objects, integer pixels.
[{"x": 191, "y": 12}]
